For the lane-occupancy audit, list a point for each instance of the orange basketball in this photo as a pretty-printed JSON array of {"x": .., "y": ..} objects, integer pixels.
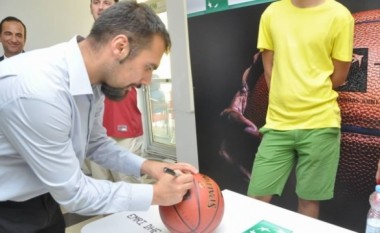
[
  {"x": 359, "y": 100},
  {"x": 201, "y": 210}
]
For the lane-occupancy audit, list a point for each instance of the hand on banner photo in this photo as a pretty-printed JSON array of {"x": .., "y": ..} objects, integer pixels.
[
  {"x": 236, "y": 112},
  {"x": 245, "y": 114}
]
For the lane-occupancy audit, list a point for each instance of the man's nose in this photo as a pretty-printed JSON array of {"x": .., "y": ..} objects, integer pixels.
[
  {"x": 15, "y": 39},
  {"x": 147, "y": 80}
]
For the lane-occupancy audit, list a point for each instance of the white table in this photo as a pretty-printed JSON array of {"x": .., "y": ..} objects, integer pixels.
[{"x": 240, "y": 214}]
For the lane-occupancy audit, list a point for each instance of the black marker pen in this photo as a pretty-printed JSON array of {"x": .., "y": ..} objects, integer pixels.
[{"x": 170, "y": 171}]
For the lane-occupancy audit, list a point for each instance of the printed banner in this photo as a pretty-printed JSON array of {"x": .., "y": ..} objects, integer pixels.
[
  {"x": 200, "y": 7},
  {"x": 222, "y": 46}
]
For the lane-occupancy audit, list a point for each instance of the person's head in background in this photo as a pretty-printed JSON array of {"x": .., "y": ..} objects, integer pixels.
[
  {"x": 12, "y": 36},
  {"x": 98, "y": 6}
]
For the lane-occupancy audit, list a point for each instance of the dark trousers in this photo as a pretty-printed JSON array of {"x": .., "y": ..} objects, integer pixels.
[{"x": 41, "y": 214}]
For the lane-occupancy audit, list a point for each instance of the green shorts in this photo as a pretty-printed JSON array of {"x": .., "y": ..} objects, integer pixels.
[{"x": 314, "y": 153}]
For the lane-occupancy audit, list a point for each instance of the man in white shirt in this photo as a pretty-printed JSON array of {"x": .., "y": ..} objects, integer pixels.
[
  {"x": 12, "y": 36},
  {"x": 51, "y": 115}
]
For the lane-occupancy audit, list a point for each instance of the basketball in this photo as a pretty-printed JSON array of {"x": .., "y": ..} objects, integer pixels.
[
  {"x": 200, "y": 211},
  {"x": 360, "y": 109}
]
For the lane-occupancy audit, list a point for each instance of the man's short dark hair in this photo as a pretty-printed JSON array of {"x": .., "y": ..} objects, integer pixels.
[
  {"x": 135, "y": 20},
  {"x": 9, "y": 19}
]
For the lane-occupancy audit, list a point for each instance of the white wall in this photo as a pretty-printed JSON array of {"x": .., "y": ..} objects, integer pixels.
[
  {"x": 185, "y": 128},
  {"x": 49, "y": 22}
]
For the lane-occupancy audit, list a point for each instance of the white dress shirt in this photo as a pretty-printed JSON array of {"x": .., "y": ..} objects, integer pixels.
[{"x": 50, "y": 119}]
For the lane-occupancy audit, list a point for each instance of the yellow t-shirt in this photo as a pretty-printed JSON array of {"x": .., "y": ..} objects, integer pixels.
[{"x": 304, "y": 40}]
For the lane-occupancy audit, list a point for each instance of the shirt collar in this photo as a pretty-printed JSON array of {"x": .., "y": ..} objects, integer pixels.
[
  {"x": 78, "y": 76},
  {"x": 5, "y": 57}
]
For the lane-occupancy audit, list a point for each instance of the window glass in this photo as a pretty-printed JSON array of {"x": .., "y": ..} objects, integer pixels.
[{"x": 158, "y": 103}]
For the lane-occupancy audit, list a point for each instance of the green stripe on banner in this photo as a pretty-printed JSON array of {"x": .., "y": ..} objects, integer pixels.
[{"x": 212, "y": 6}]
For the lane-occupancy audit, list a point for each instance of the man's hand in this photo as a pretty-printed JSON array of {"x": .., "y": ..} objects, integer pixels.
[
  {"x": 155, "y": 169},
  {"x": 169, "y": 188}
]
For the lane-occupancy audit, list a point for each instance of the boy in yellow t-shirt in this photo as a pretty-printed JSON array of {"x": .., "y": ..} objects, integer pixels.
[{"x": 307, "y": 49}]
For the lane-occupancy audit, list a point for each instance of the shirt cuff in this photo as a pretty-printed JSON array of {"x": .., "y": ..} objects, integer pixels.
[
  {"x": 142, "y": 197},
  {"x": 138, "y": 162}
]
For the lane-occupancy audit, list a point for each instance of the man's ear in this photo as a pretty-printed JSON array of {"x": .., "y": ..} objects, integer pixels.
[{"x": 120, "y": 45}]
